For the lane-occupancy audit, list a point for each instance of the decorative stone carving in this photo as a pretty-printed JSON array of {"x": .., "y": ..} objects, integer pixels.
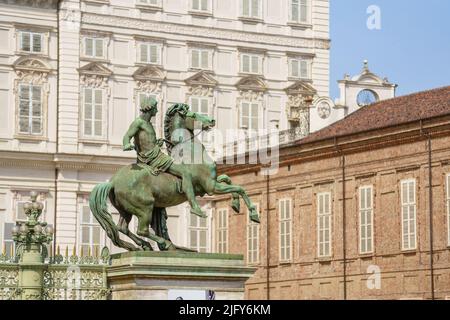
[
  {"x": 251, "y": 83},
  {"x": 300, "y": 97},
  {"x": 323, "y": 110},
  {"x": 94, "y": 75},
  {"x": 252, "y": 96},
  {"x": 149, "y": 79},
  {"x": 31, "y": 70},
  {"x": 215, "y": 33},
  {"x": 201, "y": 84},
  {"x": 42, "y": 4}
]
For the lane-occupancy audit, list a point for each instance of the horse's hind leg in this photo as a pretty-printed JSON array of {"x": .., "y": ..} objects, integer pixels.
[{"x": 123, "y": 225}]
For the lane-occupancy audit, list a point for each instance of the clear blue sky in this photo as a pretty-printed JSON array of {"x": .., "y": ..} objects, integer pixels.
[{"x": 412, "y": 48}]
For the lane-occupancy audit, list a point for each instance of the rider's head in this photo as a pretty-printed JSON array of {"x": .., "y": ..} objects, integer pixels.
[{"x": 149, "y": 106}]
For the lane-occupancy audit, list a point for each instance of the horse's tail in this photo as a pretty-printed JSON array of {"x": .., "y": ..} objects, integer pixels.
[{"x": 98, "y": 205}]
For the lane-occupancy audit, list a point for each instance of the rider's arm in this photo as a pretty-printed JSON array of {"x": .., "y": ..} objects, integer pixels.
[{"x": 134, "y": 128}]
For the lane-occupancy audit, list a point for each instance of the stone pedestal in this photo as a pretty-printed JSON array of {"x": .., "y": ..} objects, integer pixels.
[{"x": 145, "y": 275}]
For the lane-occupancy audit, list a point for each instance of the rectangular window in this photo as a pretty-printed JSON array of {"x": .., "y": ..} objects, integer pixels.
[
  {"x": 448, "y": 208},
  {"x": 222, "y": 231},
  {"x": 198, "y": 233},
  {"x": 408, "y": 199},
  {"x": 8, "y": 242},
  {"x": 299, "y": 11},
  {"x": 93, "y": 112},
  {"x": 200, "y": 59},
  {"x": 250, "y": 63},
  {"x": 31, "y": 42},
  {"x": 149, "y": 2},
  {"x": 285, "y": 212},
  {"x": 249, "y": 116},
  {"x": 90, "y": 232},
  {"x": 30, "y": 109},
  {"x": 251, "y": 8},
  {"x": 299, "y": 68},
  {"x": 324, "y": 224},
  {"x": 366, "y": 219},
  {"x": 150, "y": 53},
  {"x": 252, "y": 240},
  {"x": 200, "y": 5},
  {"x": 93, "y": 47}
]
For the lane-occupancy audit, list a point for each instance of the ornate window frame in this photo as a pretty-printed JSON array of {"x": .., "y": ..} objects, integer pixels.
[
  {"x": 32, "y": 71},
  {"x": 96, "y": 76},
  {"x": 300, "y": 22},
  {"x": 149, "y": 80},
  {"x": 88, "y": 34},
  {"x": 45, "y": 37}
]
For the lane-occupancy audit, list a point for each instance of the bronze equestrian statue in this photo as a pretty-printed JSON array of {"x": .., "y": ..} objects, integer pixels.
[{"x": 158, "y": 180}]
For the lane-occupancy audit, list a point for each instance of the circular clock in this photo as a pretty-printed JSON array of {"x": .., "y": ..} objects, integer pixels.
[{"x": 366, "y": 97}]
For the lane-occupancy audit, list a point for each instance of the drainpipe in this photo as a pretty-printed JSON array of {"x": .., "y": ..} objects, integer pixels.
[
  {"x": 344, "y": 216},
  {"x": 430, "y": 208},
  {"x": 267, "y": 236}
]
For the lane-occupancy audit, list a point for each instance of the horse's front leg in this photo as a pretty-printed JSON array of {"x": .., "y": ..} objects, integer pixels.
[{"x": 221, "y": 188}]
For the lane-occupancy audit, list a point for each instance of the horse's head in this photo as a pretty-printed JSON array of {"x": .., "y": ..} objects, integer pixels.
[
  {"x": 179, "y": 117},
  {"x": 197, "y": 120}
]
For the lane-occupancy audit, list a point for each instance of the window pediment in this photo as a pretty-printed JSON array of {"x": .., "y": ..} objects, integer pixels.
[
  {"x": 252, "y": 83},
  {"x": 31, "y": 64},
  {"x": 95, "y": 69},
  {"x": 201, "y": 78},
  {"x": 302, "y": 88},
  {"x": 149, "y": 73}
]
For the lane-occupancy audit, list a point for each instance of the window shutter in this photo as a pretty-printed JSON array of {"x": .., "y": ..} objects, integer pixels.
[
  {"x": 205, "y": 5},
  {"x": 254, "y": 116},
  {"x": 303, "y": 10},
  {"x": 99, "y": 48},
  {"x": 294, "y": 10},
  {"x": 98, "y": 112},
  {"x": 205, "y": 58},
  {"x": 24, "y": 112},
  {"x": 294, "y": 68},
  {"x": 195, "y": 59},
  {"x": 194, "y": 104},
  {"x": 204, "y": 107},
  {"x": 245, "y": 115},
  {"x": 88, "y": 111},
  {"x": 195, "y": 5},
  {"x": 304, "y": 68},
  {"x": 246, "y": 8},
  {"x": 25, "y": 41},
  {"x": 255, "y": 64},
  {"x": 245, "y": 63},
  {"x": 255, "y": 8},
  {"x": 154, "y": 54},
  {"x": 144, "y": 52},
  {"x": 89, "y": 47},
  {"x": 37, "y": 42}
]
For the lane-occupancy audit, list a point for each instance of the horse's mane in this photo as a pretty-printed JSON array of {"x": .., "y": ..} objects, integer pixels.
[{"x": 170, "y": 113}]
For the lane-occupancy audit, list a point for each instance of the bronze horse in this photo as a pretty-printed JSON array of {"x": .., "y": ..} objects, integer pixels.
[{"x": 133, "y": 190}]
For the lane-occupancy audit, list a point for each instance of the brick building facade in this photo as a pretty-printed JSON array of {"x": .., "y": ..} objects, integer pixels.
[{"x": 348, "y": 214}]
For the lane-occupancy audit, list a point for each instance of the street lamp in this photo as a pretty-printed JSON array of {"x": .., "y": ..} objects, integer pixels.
[{"x": 30, "y": 239}]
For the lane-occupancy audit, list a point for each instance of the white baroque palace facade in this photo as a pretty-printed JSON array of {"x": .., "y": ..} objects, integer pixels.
[{"x": 72, "y": 73}]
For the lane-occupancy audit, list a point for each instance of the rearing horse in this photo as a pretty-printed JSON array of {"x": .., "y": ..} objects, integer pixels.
[{"x": 134, "y": 190}]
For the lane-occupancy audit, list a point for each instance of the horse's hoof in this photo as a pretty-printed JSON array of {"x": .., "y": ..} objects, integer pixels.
[
  {"x": 199, "y": 213},
  {"x": 236, "y": 206},
  {"x": 255, "y": 218}
]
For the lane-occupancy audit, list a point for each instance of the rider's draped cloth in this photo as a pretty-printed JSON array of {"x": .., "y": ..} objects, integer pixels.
[{"x": 157, "y": 160}]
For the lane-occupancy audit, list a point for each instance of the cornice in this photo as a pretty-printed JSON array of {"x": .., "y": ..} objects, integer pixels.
[
  {"x": 203, "y": 32},
  {"x": 51, "y": 161}
]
